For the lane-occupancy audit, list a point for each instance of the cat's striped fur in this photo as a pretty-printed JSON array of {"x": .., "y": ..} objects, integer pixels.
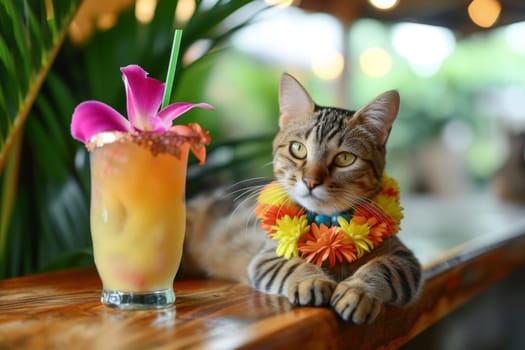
[{"x": 390, "y": 274}]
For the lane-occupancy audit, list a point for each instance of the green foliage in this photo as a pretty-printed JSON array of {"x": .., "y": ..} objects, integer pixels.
[
  {"x": 47, "y": 181},
  {"x": 32, "y": 33}
]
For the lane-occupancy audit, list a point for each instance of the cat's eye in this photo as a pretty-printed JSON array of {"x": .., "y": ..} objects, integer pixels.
[
  {"x": 344, "y": 159},
  {"x": 298, "y": 150}
]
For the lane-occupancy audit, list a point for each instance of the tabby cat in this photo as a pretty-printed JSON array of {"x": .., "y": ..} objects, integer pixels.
[{"x": 327, "y": 160}]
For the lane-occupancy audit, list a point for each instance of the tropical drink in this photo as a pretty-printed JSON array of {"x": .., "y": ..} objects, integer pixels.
[
  {"x": 138, "y": 218},
  {"x": 138, "y": 178}
]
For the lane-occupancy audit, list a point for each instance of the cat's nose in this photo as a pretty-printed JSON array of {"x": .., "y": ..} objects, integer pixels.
[{"x": 311, "y": 182}]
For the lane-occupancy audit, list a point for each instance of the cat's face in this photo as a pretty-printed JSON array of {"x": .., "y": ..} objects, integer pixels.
[{"x": 327, "y": 159}]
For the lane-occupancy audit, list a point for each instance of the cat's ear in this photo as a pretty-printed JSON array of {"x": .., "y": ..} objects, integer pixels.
[
  {"x": 294, "y": 101},
  {"x": 380, "y": 114}
]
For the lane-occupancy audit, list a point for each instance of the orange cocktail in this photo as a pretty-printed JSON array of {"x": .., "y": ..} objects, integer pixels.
[
  {"x": 138, "y": 177},
  {"x": 138, "y": 216}
]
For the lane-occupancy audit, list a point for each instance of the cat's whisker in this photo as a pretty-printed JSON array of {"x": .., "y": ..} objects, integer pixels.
[
  {"x": 250, "y": 180},
  {"x": 367, "y": 204},
  {"x": 282, "y": 201},
  {"x": 247, "y": 193},
  {"x": 244, "y": 185},
  {"x": 244, "y": 199},
  {"x": 267, "y": 164},
  {"x": 248, "y": 186},
  {"x": 348, "y": 201},
  {"x": 373, "y": 208}
]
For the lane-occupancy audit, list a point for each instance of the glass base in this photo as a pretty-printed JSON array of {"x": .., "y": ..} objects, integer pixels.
[{"x": 157, "y": 299}]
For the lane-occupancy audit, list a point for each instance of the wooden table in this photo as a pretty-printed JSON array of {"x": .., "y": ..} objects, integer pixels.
[{"x": 465, "y": 244}]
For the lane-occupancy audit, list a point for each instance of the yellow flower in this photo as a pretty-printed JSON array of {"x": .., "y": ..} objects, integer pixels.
[
  {"x": 288, "y": 231},
  {"x": 389, "y": 183},
  {"x": 357, "y": 231},
  {"x": 388, "y": 200},
  {"x": 391, "y": 207},
  {"x": 272, "y": 194}
]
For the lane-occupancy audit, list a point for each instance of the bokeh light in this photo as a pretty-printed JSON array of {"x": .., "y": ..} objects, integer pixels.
[
  {"x": 279, "y": 3},
  {"x": 106, "y": 21},
  {"x": 184, "y": 10},
  {"x": 375, "y": 62},
  {"x": 145, "y": 10},
  {"x": 514, "y": 35},
  {"x": 424, "y": 46},
  {"x": 484, "y": 13},
  {"x": 384, "y": 4},
  {"x": 328, "y": 64}
]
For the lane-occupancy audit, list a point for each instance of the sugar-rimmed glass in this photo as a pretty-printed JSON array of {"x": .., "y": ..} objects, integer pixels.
[{"x": 138, "y": 215}]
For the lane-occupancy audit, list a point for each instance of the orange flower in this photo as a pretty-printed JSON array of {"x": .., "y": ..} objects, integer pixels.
[
  {"x": 378, "y": 231},
  {"x": 390, "y": 192},
  {"x": 381, "y": 227},
  {"x": 269, "y": 214},
  {"x": 324, "y": 243}
]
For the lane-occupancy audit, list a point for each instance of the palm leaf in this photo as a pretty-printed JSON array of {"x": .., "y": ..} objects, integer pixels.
[
  {"x": 23, "y": 79},
  {"x": 34, "y": 32}
]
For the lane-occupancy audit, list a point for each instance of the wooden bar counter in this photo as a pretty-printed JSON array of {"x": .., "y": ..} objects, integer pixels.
[{"x": 465, "y": 245}]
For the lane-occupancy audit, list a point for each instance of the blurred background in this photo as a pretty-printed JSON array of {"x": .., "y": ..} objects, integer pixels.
[{"x": 458, "y": 65}]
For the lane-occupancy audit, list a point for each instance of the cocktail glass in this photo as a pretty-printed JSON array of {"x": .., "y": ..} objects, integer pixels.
[{"x": 138, "y": 215}]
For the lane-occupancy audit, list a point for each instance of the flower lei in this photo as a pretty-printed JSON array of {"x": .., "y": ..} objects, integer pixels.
[{"x": 317, "y": 238}]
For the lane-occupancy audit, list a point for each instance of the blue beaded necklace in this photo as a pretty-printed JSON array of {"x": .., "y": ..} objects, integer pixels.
[{"x": 327, "y": 220}]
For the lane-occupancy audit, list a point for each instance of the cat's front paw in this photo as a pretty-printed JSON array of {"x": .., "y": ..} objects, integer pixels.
[
  {"x": 353, "y": 303},
  {"x": 311, "y": 291}
]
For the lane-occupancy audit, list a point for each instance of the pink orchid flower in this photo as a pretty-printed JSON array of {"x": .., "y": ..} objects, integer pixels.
[{"x": 143, "y": 97}]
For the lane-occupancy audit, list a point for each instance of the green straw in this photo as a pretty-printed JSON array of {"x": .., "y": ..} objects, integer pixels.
[{"x": 172, "y": 67}]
